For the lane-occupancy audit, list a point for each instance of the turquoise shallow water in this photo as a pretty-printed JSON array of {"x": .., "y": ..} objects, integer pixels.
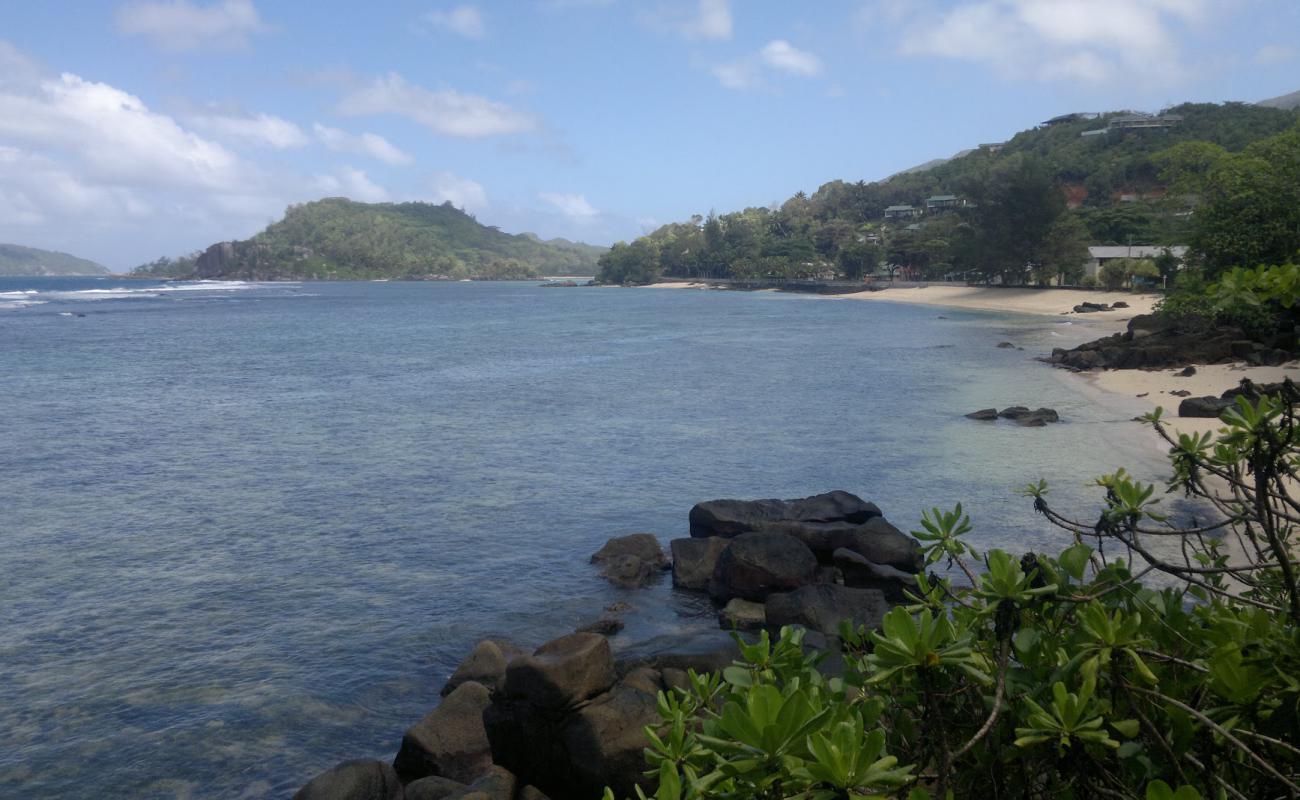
[{"x": 247, "y": 530}]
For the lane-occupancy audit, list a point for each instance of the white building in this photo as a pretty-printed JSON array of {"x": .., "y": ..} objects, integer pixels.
[{"x": 1099, "y": 255}]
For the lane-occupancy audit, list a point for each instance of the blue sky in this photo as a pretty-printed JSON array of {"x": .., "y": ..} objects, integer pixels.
[{"x": 130, "y": 130}]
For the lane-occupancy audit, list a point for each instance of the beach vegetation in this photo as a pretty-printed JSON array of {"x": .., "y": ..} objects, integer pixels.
[{"x": 1111, "y": 669}]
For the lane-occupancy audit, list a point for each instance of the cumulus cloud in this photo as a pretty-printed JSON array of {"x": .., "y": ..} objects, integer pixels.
[
  {"x": 445, "y": 111},
  {"x": 780, "y": 54},
  {"x": 461, "y": 192},
  {"x": 366, "y": 144},
  {"x": 180, "y": 25},
  {"x": 708, "y": 19},
  {"x": 113, "y": 136},
  {"x": 464, "y": 21},
  {"x": 1086, "y": 41},
  {"x": 573, "y": 206},
  {"x": 259, "y": 129},
  {"x": 352, "y": 183}
]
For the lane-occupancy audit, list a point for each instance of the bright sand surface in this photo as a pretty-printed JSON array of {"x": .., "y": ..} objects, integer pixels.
[{"x": 1021, "y": 301}]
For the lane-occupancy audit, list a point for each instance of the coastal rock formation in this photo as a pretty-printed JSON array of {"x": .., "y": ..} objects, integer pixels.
[
  {"x": 1021, "y": 415},
  {"x": 1213, "y": 407},
  {"x": 631, "y": 561},
  {"x": 695, "y": 559},
  {"x": 563, "y": 672},
  {"x": 730, "y": 518},
  {"x": 486, "y": 664},
  {"x": 984, "y": 414},
  {"x": 1153, "y": 341},
  {"x": 822, "y": 607},
  {"x": 742, "y": 615},
  {"x": 450, "y": 741},
  {"x": 1090, "y": 308},
  {"x": 861, "y": 573},
  {"x": 353, "y": 780},
  {"x": 756, "y": 564},
  {"x": 433, "y": 788}
]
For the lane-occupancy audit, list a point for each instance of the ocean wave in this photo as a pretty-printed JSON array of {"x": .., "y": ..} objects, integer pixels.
[
  {"x": 13, "y": 305},
  {"x": 17, "y": 295}
]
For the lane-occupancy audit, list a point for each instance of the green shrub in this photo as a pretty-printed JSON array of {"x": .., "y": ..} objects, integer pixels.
[{"x": 1063, "y": 677}]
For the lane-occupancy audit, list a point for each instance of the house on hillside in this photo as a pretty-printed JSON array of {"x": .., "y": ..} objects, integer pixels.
[
  {"x": 1130, "y": 122},
  {"x": 941, "y": 202},
  {"x": 1099, "y": 255},
  {"x": 1078, "y": 116},
  {"x": 902, "y": 212},
  {"x": 992, "y": 147}
]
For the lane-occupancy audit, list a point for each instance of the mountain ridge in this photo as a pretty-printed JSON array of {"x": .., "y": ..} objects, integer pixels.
[{"x": 21, "y": 261}]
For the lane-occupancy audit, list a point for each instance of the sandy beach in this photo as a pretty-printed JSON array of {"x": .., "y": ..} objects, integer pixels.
[{"x": 1020, "y": 301}]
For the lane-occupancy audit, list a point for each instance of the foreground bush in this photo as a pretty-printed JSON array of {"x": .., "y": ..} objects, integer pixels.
[{"x": 1044, "y": 677}]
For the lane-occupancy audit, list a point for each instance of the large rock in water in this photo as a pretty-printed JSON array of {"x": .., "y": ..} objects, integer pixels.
[
  {"x": 695, "y": 559},
  {"x": 631, "y": 561},
  {"x": 861, "y": 573},
  {"x": 353, "y": 780},
  {"x": 822, "y": 607},
  {"x": 733, "y": 517},
  {"x": 486, "y": 664},
  {"x": 563, "y": 672},
  {"x": 875, "y": 539},
  {"x": 605, "y": 740},
  {"x": 756, "y": 564},
  {"x": 451, "y": 741}
]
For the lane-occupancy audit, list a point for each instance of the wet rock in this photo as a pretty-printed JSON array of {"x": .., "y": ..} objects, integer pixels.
[
  {"x": 605, "y": 626},
  {"x": 562, "y": 672},
  {"x": 641, "y": 545},
  {"x": 1005, "y": 345},
  {"x": 432, "y": 788},
  {"x": 605, "y": 740},
  {"x": 450, "y": 741},
  {"x": 821, "y": 608},
  {"x": 486, "y": 664},
  {"x": 756, "y": 564},
  {"x": 983, "y": 414},
  {"x": 731, "y": 518},
  {"x": 695, "y": 559},
  {"x": 742, "y": 615},
  {"x": 876, "y": 539},
  {"x": 628, "y": 572},
  {"x": 862, "y": 573},
  {"x": 1022, "y": 415},
  {"x": 353, "y": 780}
]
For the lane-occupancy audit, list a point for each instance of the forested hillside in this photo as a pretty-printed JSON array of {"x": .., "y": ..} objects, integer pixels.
[
  {"x": 18, "y": 260},
  {"x": 1023, "y": 210},
  {"x": 339, "y": 239}
]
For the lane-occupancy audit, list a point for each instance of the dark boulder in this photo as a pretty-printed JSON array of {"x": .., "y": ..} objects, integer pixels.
[
  {"x": 628, "y": 572},
  {"x": 983, "y": 414},
  {"x": 730, "y": 518},
  {"x": 563, "y": 672},
  {"x": 1187, "y": 372},
  {"x": 1119, "y": 304},
  {"x": 822, "y": 607},
  {"x": 605, "y": 740},
  {"x": 695, "y": 559},
  {"x": 1181, "y": 393},
  {"x": 450, "y": 741},
  {"x": 743, "y": 615},
  {"x": 1006, "y": 345},
  {"x": 756, "y": 564},
  {"x": 486, "y": 664},
  {"x": 1030, "y": 418},
  {"x": 641, "y": 545},
  {"x": 498, "y": 784},
  {"x": 1208, "y": 407},
  {"x": 876, "y": 539},
  {"x": 861, "y": 573},
  {"x": 353, "y": 780},
  {"x": 433, "y": 788}
]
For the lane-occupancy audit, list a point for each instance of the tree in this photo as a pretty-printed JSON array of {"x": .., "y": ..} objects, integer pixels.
[
  {"x": 1064, "y": 251},
  {"x": 637, "y": 263},
  {"x": 857, "y": 259}
]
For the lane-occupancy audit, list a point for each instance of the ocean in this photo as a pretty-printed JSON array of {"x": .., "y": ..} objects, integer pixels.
[{"x": 247, "y": 530}]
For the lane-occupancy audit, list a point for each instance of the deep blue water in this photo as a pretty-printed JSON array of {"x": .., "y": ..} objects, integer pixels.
[{"x": 247, "y": 530}]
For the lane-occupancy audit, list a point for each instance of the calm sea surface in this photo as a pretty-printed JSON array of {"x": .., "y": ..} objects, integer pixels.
[{"x": 247, "y": 530}]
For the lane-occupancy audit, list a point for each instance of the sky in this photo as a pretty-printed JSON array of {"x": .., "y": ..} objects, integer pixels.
[{"x": 140, "y": 128}]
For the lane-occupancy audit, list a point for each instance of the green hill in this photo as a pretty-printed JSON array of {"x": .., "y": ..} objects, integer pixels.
[
  {"x": 1035, "y": 199},
  {"x": 339, "y": 239},
  {"x": 18, "y": 260}
]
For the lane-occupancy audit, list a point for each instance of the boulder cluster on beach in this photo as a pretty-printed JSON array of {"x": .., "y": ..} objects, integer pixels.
[
  {"x": 1154, "y": 341},
  {"x": 568, "y": 719}
]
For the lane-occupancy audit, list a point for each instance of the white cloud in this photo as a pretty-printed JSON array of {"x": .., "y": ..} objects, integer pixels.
[
  {"x": 737, "y": 75},
  {"x": 1087, "y": 41},
  {"x": 181, "y": 25},
  {"x": 712, "y": 22},
  {"x": 573, "y": 206},
  {"x": 353, "y": 184},
  {"x": 710, "y": 19},
  {"x": 446, "y": 111},
  {"x": 113, "y": 136},
  {"x": 366, "y": 144},
  {"x": 780, "y": 54},
  {"x": 464, "y": 21},
  {"x": 259, "y": 129},
  {"x": 461, "y": 192}
]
